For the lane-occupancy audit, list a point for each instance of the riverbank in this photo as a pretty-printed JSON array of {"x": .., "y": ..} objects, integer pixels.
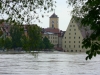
[
  {"x": 20, "y": 52},
  {"x": 12, "y": 52}
]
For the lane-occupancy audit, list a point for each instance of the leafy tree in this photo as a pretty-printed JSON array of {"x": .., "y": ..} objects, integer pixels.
[
  {"x": 41, "y": 45},
  {"x": 16, "y": 33},
  {"x": 8, "y": 43},
  {"x": 34, "y": 35},
  {"x": 1, "y": 32},
  {"x": 1, "y": 43},
  {"x": 22, "y": 10},
  {"x": 51, "y": 46},
  {"x": 25, "y": 43},
  {"x": 47, "y": 43},
  {"x": 89, "y": 12}
]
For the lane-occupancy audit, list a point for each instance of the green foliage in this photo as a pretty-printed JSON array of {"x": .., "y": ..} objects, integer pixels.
[
  {"x": 47, "y": 43},
  {"x": 41, "y": 45},
  {"x": 89, "y": 11},
  {"x": 34, "y": 35},
  {"x": 25, "y": 43},
  {"x": 16, "y": 32},
  {"x": 1, "y": 33},
  {"x": 8, "y": 43},
  {"x": 1, "y": 42},
  {"x": 17, "y": 10}
]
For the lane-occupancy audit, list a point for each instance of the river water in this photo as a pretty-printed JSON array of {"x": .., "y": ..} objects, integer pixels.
[{"x": 48, "y": 63}]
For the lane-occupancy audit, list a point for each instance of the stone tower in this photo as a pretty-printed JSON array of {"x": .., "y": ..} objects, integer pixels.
[{"x": 53, "y": 21}]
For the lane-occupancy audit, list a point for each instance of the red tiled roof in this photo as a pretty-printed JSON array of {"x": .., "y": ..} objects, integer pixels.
[{"x": 53, "y": 30}]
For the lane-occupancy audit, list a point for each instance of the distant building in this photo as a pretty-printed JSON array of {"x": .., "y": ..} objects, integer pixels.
[
  {"x": 53, "y": 33},
  {"x": 5, "y": 28},
  {"x": 72, "y": 39}
]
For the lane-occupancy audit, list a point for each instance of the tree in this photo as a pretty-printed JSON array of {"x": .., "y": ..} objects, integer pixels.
[
  {"x": 89, "y": 12},
  {"x": 41, "y": 45},
  {"x": 16, "y": 33},
  {"x": 34, "y": 35},
  {"x": 8, "y": 43},
  {"x": 1, "y": 43},
  {"x": 23, "y": 10},
  {"x": 51, "y": 46},
  {"x": 25, "y": 43},
  {"x": 47, "y": 43},
  {"x": 1, "y": 32}
]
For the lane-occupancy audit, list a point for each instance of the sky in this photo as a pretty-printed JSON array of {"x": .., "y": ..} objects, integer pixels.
[{"x": 63, "y": 12}]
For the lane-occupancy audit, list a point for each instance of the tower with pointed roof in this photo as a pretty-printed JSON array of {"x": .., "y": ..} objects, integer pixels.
[{"x": 53, "y": 21}]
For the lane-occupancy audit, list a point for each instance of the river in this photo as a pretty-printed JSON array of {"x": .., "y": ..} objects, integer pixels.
[{"x": 48, "y": 63}]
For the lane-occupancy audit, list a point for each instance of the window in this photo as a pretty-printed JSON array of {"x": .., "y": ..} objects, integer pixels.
[
  {"x": 69, "y": 37},
  {"x": 72, "y": 21},
  {"x": 69, "y": 46},
  {"x": 74, "y": 46},
  {"x": 71, "y": 50},
  {"x": 69, "y": 29},
  {"x": 79, "y": 46},
  {"x": 69, "y": 41},
  {"x": 65, "y": 37},
  {"x": 52, "y": 21},
  {"x": 79, "y": 37},
  {"x": 65, "y": 41},
  {"x": 74, "y": 29},
  {"x": 74, "y": 41},
  {"x": 65, "y": 46},
  {"x": 76, "y": 50},
  {"x": 75, "y": 33},
  {"x": 69, "y": 33},
  {"x": 52, "y": 26},
  {"x": 70, "y": 25},
  {"x": 79, "y": 41},
  {"x": 74, "y": 37},
  {"x": 73, "y": 25}
]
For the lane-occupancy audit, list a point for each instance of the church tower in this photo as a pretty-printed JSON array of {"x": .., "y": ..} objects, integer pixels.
[{"x": 53, "y": 21}]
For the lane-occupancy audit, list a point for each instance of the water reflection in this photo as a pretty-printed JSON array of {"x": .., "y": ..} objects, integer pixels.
[{"x": 51, "y": 63}]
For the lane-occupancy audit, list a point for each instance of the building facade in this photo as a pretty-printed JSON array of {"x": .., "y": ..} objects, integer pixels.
[
  {"x": 53, "y": 33},
  {"x": 72, "y": 39}
]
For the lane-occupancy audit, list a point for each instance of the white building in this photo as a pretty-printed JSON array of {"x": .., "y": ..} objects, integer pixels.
[{"x": 72, "y": 39}]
